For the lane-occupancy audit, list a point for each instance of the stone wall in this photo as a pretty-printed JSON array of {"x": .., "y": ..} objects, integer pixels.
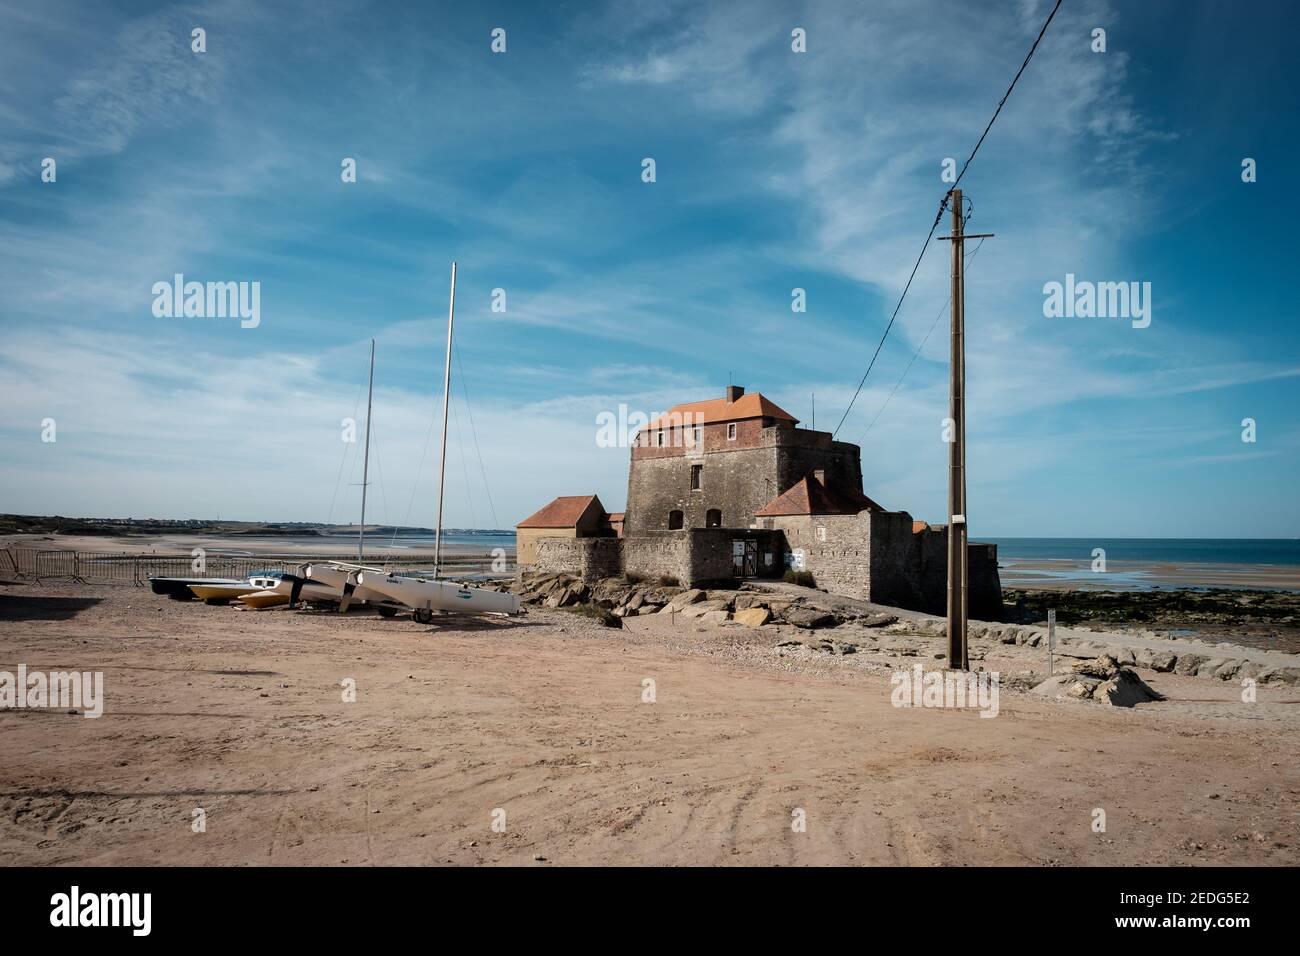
[
  {"x": 836, "y": 549},
  {"x": 984, "y": 594},
  {"x": 901, "y": 564},
  {"x": 739, "y": 477},
  {"x": 711, "y": 556},
  {"x": 526, "y": 541},
  {"x": 700, "y": 556},
  {"x": 657, "y": 554},
  {"x": 589, "y": 558},
  {"x": 877, "y": 557},
  {"x": 802, "y": 451},
  {"x": 737, "y": 483}
]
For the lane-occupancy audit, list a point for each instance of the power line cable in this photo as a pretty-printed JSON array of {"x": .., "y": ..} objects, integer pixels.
[
  {"x": 915, "y": 355},
  {"x": 943, "y": 204}
]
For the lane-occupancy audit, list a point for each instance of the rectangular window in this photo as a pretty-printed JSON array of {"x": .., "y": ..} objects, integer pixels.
[
  {"x": 697, "y": 438},
  {"x": 731, "y": 431},
  {"x": 697, "y": 477},
  {"x": 659, "y": 440}
]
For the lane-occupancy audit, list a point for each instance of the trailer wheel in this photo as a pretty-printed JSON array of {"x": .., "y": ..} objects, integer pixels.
[
  {"x": 387, "y": 611},
  {"x": 422, "y": 615}
]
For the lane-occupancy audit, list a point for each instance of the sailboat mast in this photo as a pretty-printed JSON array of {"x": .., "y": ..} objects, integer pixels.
[
  {"x": 446, "y": 398},
  {"x": 365, "y": 469}
]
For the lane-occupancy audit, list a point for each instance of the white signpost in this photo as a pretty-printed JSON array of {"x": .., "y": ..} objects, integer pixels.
[{"x": 1051, "y": 639}]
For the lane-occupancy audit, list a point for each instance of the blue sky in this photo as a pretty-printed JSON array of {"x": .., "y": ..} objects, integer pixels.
[{"x": 775, "y": 170}]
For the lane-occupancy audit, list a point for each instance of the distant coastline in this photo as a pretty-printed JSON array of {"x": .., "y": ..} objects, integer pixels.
[{"x": 123, "y": 527}]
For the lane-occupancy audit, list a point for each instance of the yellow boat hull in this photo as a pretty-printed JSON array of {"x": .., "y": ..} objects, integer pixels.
[
  {"x": 221, "y": 592},
  {"x": 264, "y": 599}
]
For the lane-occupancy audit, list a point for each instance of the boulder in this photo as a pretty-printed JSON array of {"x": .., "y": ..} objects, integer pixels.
[
  {"x": 752, "y": 616},
  {"x": 1081, "y": 688},
  {"x": 1162, "y": 661},
  {"x": 1103, "y": 680},
  {"x": 878, "y": 619},
  {"x": 1228, "y": 670},
  {"x": 1124, "y": 690},
  {"x": 701, "y": 608},
  {"x": 714, "y": 617},
  {"x": 1103, "y": 667},
  {"x": 810, "y": 617},
  {"x": 1249, "y": 669},
  {"x": 685, "y": 599},
  {"x": 1189, "y": 663},
  {"x": 564, "y": 597}
]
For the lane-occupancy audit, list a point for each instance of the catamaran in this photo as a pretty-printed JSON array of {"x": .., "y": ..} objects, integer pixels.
[
  {"x": 423, "y": 594},
  {"x": 330, "y": 582}
]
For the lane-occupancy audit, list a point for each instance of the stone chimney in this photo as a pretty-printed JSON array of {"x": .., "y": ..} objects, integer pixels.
[{"x": 734, "y": 392}]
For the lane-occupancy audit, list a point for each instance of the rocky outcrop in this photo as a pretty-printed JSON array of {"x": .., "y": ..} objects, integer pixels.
[
  {"x": 1103, "y": 680},
  {"x": 756, "y": 607}
]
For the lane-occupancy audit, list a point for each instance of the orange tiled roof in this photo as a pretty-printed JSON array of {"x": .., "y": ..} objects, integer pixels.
[
  {"x": 751, "y": 405},
  {"x": 563, "y": 512},
  {"x": 918, "y": 526},
  {"x": 616, "y": 516},
  {"x": 808, "y": 496}
]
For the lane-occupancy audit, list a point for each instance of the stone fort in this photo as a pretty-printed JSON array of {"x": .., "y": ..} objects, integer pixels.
[{"x": 731, "y": 488}]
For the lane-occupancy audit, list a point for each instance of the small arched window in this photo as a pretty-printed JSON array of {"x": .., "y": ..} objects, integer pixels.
[
  {"x": 713, "y": 518},
  {"x": 674, "y": 520}
]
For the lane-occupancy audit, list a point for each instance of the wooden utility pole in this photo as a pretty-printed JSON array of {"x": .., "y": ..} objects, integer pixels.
[
  {"x": 957, "y": 517},
  {"x": 957, "y": 452}
]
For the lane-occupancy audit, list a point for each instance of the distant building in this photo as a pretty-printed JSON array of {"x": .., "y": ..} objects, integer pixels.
[
  {"x": 730, "y": 488},
  {"x": 715, "y": 463},
  {"x": 576, "y": 516}
]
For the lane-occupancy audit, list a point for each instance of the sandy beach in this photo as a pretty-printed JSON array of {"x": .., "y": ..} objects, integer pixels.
[{"x": 540, "y": 723}]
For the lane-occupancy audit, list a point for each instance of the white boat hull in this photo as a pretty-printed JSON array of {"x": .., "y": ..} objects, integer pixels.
[
  {"x": 423, "y": 594},
  {"x": 311, "y": 591},
  {"x": 336, "y": 577}
]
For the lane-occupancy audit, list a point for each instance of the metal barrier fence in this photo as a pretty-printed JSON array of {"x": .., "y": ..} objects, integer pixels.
[{"x": 24, "y": 564}]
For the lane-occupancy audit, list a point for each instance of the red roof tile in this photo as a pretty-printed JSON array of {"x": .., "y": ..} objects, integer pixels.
[
  {"x": 752, "y": 405},
  {"x": 808, "y": 496},
  {"x": 563, "y": 512}
]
